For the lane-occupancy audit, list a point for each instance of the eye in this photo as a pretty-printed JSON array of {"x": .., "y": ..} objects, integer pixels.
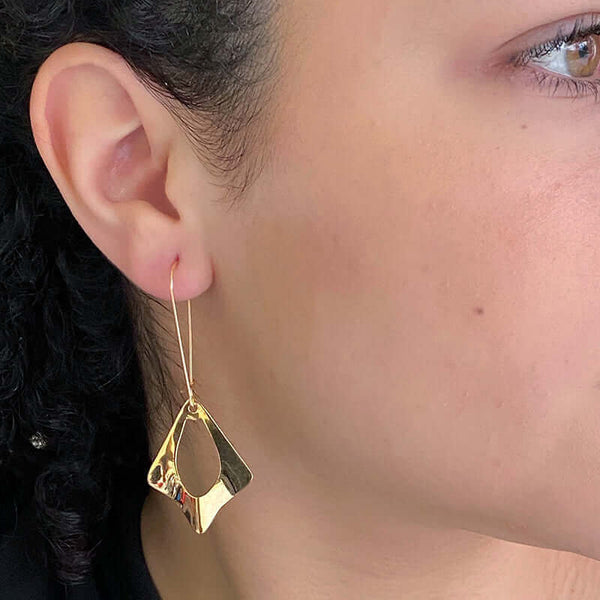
[
  {"x": 578, "y": 59},
  {"x": 573, "y": 54}
]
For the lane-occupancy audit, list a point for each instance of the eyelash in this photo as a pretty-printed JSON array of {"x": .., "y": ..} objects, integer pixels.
[{"x": 545, "y": 79}]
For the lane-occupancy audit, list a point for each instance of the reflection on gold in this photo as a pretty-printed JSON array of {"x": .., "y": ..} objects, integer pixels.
[{"x": 163, "y": 474}]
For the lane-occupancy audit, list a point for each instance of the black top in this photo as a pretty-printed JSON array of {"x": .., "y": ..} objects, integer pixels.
[{"x": 121, "y": 574}]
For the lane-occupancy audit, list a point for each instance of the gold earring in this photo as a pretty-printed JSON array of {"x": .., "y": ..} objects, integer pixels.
[{"x": 163, "y": 474}]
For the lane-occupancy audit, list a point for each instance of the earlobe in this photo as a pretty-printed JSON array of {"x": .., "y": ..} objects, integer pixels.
[{"x": 106, "y": 141}]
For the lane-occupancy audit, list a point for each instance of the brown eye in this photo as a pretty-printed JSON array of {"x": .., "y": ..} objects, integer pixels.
[{"x": 582, "y": 57}]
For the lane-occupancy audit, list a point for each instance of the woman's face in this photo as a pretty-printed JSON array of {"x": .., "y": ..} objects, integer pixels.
[{"x": 411, "y": 292}]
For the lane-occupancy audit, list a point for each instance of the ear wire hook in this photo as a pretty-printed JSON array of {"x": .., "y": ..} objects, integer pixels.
[
  {"x": 189, "y": 380},
  {"x": 163, "y": 474}
]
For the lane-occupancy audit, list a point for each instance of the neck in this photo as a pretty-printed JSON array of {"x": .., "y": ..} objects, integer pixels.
[
  {"x": 294, "y": 533},
  {"x": 288, "y": 535}
]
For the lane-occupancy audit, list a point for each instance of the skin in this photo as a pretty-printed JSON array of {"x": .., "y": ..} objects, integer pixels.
[{"x": 399, "y": 328}]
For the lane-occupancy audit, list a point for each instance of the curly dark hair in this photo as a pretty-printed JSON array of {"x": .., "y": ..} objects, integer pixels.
[{"x": 77, "y": 341}]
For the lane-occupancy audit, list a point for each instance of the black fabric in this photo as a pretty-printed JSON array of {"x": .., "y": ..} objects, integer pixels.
[{"x": 121, "y": 572}]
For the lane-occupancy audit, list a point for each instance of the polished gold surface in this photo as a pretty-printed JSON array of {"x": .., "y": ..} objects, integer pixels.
[{"x": 163, "y": 474}]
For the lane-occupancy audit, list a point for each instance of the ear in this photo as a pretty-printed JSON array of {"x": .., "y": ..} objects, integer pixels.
[{"x": 124, "y": 167}]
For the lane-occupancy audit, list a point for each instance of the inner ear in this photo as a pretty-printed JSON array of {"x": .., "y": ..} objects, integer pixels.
[
  {"x": 125, "y": 180},
  {"x": 103, "y": 145}
]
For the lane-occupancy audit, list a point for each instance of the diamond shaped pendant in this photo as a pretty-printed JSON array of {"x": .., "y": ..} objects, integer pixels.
[{"x": 163, "y": 474}]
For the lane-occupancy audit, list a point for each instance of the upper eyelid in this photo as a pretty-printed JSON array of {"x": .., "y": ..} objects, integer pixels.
[
  {"x": 510, "y": 50},
  {"x": 539, "y": 54}
]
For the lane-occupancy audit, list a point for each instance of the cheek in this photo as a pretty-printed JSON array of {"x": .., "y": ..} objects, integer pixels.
[
  {"x": 448, "y": 322},
  {"x": 422, "y": 298}
]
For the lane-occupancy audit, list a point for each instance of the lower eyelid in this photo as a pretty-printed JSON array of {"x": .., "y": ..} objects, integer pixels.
[{"x": 555, "y": 86}]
